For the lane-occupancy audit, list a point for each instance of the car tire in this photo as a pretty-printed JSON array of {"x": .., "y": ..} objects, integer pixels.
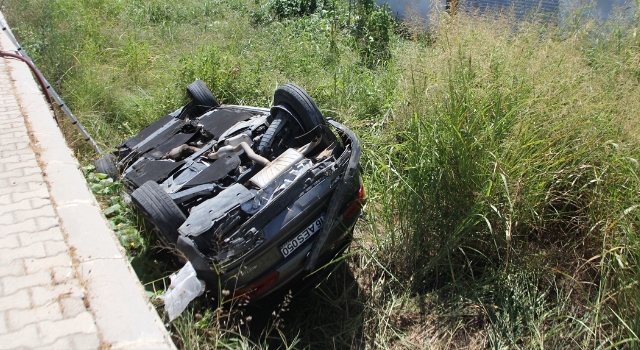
[
  {"x": 275, "y": 126},
  {"x": 202, "y": 96},
  {"x": 158, "y": 207},
  {"x": 296, "y": 98},
  {"x": 107, "y": 164}
]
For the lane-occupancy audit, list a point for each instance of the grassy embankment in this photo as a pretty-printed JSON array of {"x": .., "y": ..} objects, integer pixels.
[{"x": 500, "y": 158}]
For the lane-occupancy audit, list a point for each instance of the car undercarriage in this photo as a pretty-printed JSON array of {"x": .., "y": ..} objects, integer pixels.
[{"x": 256, "y": 199}]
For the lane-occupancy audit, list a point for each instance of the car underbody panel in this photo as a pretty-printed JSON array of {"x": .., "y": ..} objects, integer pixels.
[{"x": 251, "y": 196}]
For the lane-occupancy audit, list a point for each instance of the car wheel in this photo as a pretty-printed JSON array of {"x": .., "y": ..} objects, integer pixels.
[
  {"x": 158, "y": 207},
  {"x": 107, "y": 165},
  {"x": 293, "y": 96},
  {"x": 202, "y": 96}
]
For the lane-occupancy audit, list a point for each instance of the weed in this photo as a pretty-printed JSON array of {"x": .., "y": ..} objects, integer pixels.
[
  {"x": 372, "y": 32},
  {"x": 121, "y": 218}
]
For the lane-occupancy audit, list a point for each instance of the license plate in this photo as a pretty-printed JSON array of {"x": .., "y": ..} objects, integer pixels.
[{"x": 293, "y": 244}]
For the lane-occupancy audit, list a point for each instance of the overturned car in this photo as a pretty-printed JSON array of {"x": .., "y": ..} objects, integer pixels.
[{"x": 256, "y": 199}]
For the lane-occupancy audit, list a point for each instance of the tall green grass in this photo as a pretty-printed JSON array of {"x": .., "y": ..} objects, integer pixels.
[
  {"x": 511, "y": 180},
  {"x": 500, "y": 157}
]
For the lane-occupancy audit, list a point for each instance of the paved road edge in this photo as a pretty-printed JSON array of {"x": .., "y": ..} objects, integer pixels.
[{"x": 124, "y": 316}]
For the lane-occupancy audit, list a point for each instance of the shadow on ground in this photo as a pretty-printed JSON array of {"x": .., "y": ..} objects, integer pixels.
[{"x": 327, "y": 315}]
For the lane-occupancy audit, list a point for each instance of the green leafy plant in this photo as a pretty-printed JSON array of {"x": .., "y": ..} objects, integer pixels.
[
  {"x": 120, "y": 216},
  {"x": 372, "y": 31}
]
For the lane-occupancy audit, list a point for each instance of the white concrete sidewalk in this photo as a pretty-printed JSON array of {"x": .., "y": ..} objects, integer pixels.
[{"x": 65, "y": 282}]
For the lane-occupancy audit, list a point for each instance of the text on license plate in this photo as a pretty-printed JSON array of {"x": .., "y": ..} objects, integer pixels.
[{"x": 293, "y": 244}]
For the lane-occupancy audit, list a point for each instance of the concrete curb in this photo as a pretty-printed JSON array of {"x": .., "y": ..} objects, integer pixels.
[{"x": 124, "y": 317}]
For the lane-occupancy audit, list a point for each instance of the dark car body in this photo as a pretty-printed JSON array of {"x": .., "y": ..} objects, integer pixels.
[{"x": 256, "y": 199}]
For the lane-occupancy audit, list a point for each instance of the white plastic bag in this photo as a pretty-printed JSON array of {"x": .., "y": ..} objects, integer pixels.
[{"x": 185, "y": 287}]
